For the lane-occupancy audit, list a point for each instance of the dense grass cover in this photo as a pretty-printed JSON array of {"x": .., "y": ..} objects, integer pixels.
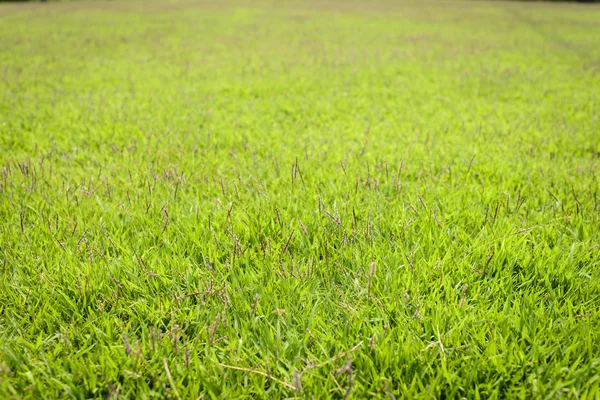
[{"x": 243, "y": 199}]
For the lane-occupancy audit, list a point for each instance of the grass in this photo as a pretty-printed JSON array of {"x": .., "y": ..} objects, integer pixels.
[{"x": 310, "y": 199}]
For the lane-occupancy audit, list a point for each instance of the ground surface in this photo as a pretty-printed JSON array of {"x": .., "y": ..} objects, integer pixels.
[{"x": 390, "y": 199}]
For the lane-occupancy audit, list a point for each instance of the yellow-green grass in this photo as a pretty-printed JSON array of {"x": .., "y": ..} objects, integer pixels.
[{"x": 306, "y": 199}]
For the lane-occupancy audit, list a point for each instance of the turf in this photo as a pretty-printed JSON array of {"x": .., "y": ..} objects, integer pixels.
[{"x": 386, "y": 199}]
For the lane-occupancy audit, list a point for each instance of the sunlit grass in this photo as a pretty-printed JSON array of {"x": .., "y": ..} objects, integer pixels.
[{"x": 329, "y": 199}]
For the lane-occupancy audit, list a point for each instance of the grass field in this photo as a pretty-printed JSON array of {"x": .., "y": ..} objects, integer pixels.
[{"x": 310, "y": 199}]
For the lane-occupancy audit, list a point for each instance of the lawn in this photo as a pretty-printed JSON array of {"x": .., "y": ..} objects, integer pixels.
[{"x": 312, "y": 199}]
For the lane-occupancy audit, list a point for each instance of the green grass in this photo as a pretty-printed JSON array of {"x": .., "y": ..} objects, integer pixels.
[{"x": 311, "y": 199}]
